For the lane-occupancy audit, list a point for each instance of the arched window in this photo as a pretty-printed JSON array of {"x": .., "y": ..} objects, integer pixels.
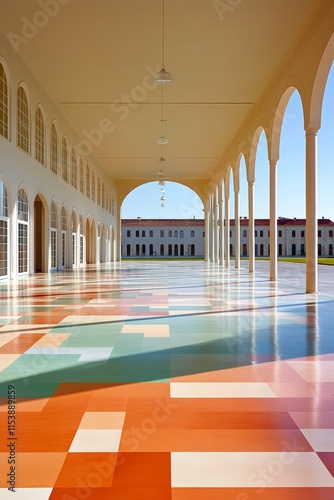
[
  {"x": 81, "y": 249},
  {"x": 128, "y": 250},
  {"x": 23, "y": 124},
  {"x": 53, "y": 225},
  {"x": 261, "y": 250},
  {"x": 192, "y": 249},
  {"x": 137, "y": 249},
  {"x": 64, "y": 160},
  {"x": 87, "y": 181},
  {"x": 176, "y": 234},
  {"x": 143, "y": 249},
  {"x": 192, "y": 234},
  {"x": 330, "y": 249},
  {"x": 4, "y": 236},
  {"x": 244, "y": 249},
  {"x": 22, "y": 231},
  {"x": 103, "y": 195},
  {"x": 98, "y": 191},
  {"x": 162, "y": 249},
  {"x": 74, "y": 239},
  {"x": 182, "y": 249},
  {"x": 63, "y": 237},
  {"x": 170, "y": 234},
  {"x": 181, "y": 233},
  {"x": 81, "y": 176},
  {"x": 93, "y": 186},
  {"x": 39, "y": 136},
  {"x": 4, "y": 100},
  {"x": 244, "y": 233},
  {"x": 113, "y": 204},
  {"x": 74, "y": 167},
  {"x": 176, "y": 249},
  {"x": 54, "y": 150}
]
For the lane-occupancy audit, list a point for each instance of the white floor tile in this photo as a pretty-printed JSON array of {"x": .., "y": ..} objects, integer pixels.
[
  {"x": 221, "y": 390},
  {"x": 320, "y": 439},
  {"x": 248, "y": 469},
  {"x": 26, "y": 494},
  {"x": 96, "y": 440}
]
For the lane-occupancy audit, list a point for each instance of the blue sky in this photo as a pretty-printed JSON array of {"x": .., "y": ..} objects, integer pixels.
[{"x": 181, "y": 202}]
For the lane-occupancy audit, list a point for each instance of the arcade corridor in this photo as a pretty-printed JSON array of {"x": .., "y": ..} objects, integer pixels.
[{"x": 171, "y": 380}]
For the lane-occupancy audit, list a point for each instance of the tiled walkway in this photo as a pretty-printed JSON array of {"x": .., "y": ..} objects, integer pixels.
[{"x": 167, "y": 380}]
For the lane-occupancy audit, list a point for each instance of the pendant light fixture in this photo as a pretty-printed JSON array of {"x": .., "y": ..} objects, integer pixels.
[
  {"x": 162, "y": 139},
  {"x": 163, "y": 76}
]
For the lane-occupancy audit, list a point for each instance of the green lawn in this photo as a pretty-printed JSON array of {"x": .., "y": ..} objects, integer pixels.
[{"x": 327, "y": 261}]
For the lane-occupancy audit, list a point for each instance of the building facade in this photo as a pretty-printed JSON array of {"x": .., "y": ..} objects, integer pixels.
[
  {"x": 57, "y": 207},
  {"x": 186, "y": 237},
  {"x": 291, "y": 237},
  {"x": 163, "y": 237}
]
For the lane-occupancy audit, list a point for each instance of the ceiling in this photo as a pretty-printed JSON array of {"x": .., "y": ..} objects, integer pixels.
[{"x": 222, "y": 55}]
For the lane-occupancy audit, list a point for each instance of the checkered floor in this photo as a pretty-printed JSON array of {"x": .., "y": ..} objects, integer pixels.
[{"x": 166, "y": 380}]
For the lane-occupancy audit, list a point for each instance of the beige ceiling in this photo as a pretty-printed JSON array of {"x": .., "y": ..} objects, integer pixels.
[{"x": 93, "y": 52}]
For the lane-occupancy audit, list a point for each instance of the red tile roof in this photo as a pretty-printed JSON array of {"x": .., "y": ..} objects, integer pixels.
[
  {"x": 281, "y": 221},
  {"x": 163, "y": 222}
]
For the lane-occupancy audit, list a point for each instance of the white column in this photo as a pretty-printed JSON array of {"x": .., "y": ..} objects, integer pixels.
[
  {"x": 251, "y": 227},
  {"x": 207, "y": 232},
  {"x": 213, "y": 231},
  {"x": 216, "y": 229},
  {"x": 221, "y": 224},
  {"x": 119, "y": 236},
  {"x": 311, "y": 211},
  {"x": 227, "y": 230},
  {"x": 273, "y": 218},
  {"x": 237, "y": 228},
  {"x": 211, "y": 252}
]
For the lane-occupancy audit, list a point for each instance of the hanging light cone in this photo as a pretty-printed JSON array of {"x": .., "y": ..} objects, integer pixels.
[
  {"x": 162, "y": 140},
  {"x": 162, "y": 198},
  {"x": 161, "y": 183},
  {"x": 162, "y": 204},
  {"x": 163, "y": 77}
]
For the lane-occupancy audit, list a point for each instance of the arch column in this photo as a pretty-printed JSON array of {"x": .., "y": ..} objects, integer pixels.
[
  {"x": 119, "y": 236},
  {"x": 236, "y": 184},
  {"x": 211, "y": 230},
  {"x": 215, "y": 227},
  {"x": 273, "y": 217},
  {"x": 221, "y": 224},
  {"x": 227, "y": 226},
  {"x": 311, "y": 211},
  {"x": 251, "y": 226},
  {"x": 207, "y": 231}
]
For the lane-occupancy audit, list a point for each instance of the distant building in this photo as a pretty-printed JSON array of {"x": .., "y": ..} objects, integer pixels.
[
  {"x": 162, "y": 237},
  {"x": 291, "y": 237},
  {"x": 185, "y": 237}
]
